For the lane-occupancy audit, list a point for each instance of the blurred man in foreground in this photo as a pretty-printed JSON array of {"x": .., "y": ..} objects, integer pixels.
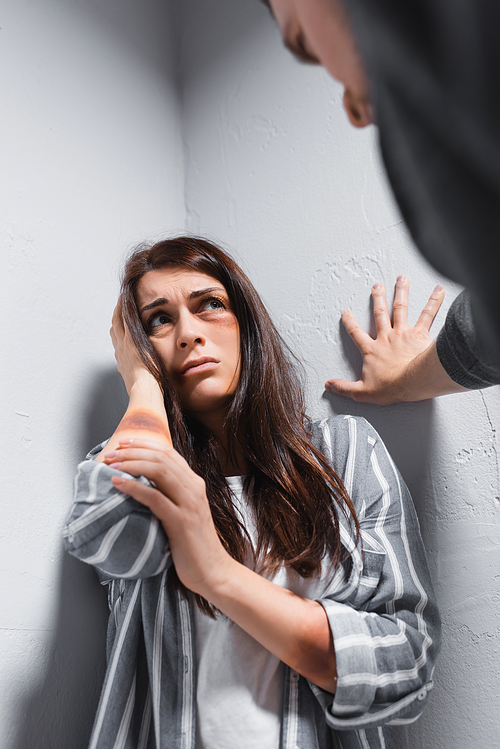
[{"x": 428, "y": 74}]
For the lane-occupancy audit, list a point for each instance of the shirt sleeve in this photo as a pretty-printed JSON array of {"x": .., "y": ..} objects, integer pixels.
[
  {"x": 111, "y": 530},
  {"x": 461, "y": 350},
  {"x": 384, "y": 620}
]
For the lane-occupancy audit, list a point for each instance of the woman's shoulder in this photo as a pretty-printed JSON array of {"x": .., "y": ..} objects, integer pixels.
[
  {"x": 344, "y": 427},
  {"x": 344, "y": 439}
]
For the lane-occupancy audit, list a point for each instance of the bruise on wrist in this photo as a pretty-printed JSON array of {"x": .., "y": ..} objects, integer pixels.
[{"x": 145, "y": 421}]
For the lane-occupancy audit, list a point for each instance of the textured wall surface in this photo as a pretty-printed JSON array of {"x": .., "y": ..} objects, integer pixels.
[
  {"x": 91, "y": 163},
  {"x": 276, "y": 173}
]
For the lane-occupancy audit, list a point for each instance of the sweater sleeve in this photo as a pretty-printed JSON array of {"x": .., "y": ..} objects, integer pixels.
[
  {"x": 111, "y": 530},
  {"x": 385, "y": 623},
  {"x": 461, "y": 351}
]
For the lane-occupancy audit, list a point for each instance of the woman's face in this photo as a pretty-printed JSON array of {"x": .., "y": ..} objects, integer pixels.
[{"x": 190, "y": 322}]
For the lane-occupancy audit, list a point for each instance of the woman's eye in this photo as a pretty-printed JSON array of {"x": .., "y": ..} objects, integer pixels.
[
  {"x": 211, "y": 304},
  {"x": 158, "y": 321}
]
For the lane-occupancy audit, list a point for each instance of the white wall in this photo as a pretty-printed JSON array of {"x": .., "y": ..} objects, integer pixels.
[
  {"x": 275, "y": 172},
  {"x": 91, "y": 163}
]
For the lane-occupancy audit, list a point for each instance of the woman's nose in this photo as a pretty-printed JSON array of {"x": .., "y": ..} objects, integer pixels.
[{"x": 188, "y": 338}]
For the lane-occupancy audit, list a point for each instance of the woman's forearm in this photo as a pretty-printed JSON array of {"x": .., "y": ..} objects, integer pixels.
[
  {"x": 293, "y": 628},
  {"x": 145, "y": 415}
]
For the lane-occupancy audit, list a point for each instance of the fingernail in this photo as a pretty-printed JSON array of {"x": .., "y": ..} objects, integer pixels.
[
  {"x": 376, "y": 286},
  {"x": 118, "y": 480},
  {"x": 327, "y": 386},
  {"x": 401, "y": 279},
  {"x": 111, "y": 454},
  {"x": 439, "y": 288},
  {"x": 115, "y": 465},
  {"x": 126, "y": 441}
]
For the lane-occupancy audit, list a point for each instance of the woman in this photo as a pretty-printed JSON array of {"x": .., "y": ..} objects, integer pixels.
[{"x": 291, "y": 605}]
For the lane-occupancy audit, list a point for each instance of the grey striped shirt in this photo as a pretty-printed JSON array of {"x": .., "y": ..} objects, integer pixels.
[{"x": 383, "y": 614}]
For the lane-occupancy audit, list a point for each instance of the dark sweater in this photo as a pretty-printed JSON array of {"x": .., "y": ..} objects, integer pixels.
[{"x": 434, "y": 70}]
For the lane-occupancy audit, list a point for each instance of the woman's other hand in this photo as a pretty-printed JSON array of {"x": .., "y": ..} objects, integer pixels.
[
  {"x": 179, "y": 501},
  {"x": 401, "y": 363},
  {"x": 295, "y": 629}
]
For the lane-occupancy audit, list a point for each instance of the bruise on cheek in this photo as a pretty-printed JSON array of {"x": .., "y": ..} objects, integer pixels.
[
  {"x": 144, "y": 420},
  {"x": 227, "y": 321}
]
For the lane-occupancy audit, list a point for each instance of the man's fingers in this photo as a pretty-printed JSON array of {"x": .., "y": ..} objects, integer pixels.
[
  {"x": 400, "y": 303},
  {"x": 380, "y": 311},
  {"x": 355, "y": 331},
  {"x": 353, "y": 390},
  {"x": 431, "y": 309}
]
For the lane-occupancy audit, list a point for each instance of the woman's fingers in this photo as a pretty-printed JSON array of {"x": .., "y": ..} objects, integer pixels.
[
  {"x": 167, "y": 479},
  {"x": 117, "y": 324},
  {"x": 148, "y": 496},
  {"x": 148, "y": 443},
  {"x": 431, "y": 309},
  {"x": 129, "y": 362},
  {"x": 121, "y": 455},
  {"x": 164, "y": 466},
  {"x": 117, "y": 330}
]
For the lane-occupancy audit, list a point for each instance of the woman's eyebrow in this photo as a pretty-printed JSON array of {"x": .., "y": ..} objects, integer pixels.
[
  {"x": 193, "y": 295},
  {"x": 202, "y": 292},
  {"x": 156, "y": 303}
]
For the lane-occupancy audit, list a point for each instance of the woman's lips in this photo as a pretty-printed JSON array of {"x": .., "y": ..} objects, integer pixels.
[{"x": 199, "y": 366}]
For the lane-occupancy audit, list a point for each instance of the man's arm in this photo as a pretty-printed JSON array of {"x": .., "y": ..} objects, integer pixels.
[{"x": 401, "y": 363}]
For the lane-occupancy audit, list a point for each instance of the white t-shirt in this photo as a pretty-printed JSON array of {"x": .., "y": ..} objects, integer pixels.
[{"x": 240, "y": 683}]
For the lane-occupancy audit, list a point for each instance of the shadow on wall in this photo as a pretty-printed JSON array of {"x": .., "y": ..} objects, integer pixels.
[
  {"x": 106, "y": 403},
  {"x": 228, "y": 23},
  {"x": 60, "y": 712}
]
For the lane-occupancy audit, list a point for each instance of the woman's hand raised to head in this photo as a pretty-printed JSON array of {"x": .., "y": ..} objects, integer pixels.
[
  {"x": 180, "y": 502},
  {"x": 129, "y": 363},
  {"x": 145, "y": 415},
  {"x": 401, "y": 363}
]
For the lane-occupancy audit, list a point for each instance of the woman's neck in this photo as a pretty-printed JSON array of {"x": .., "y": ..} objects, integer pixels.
[
  {"x": 235, "y": 468},
  {"x": 233, "y": 461}
]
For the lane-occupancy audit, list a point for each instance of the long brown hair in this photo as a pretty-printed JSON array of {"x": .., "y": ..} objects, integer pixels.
[{"x": 295, "y": 493}]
